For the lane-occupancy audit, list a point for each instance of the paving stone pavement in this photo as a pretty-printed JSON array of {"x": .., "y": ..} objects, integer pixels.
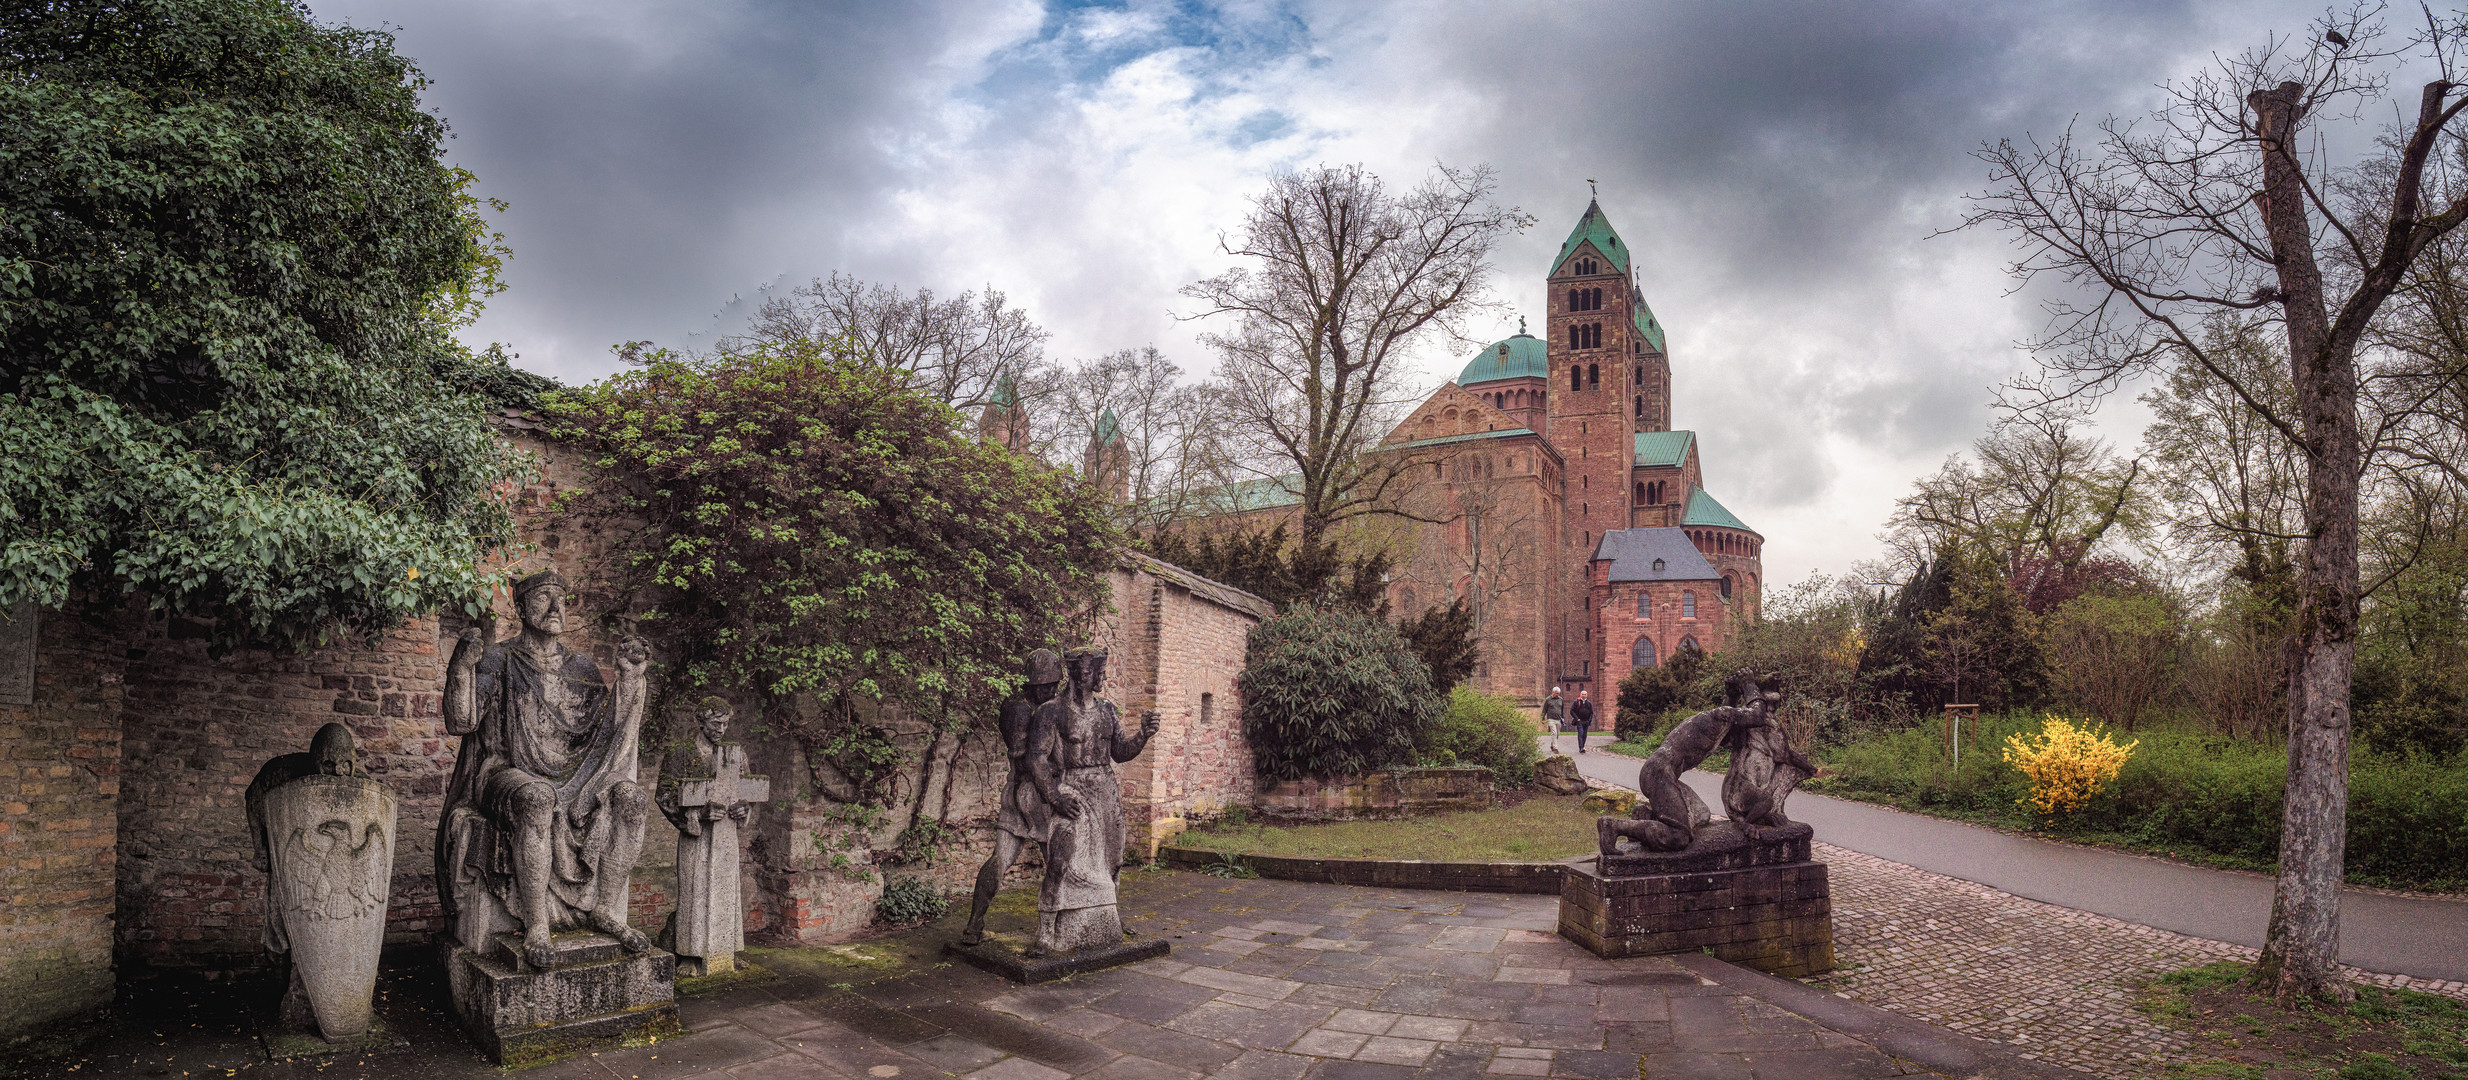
[
  {"x": 1274, "y": 980},
  {"x": 2054, "y": 982}
]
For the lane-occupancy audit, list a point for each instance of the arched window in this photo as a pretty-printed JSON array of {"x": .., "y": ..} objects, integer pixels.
[
  {"x": 1576, "y": 336},
  {"x": 1636, "y": 377},
  {"x": 1643, "y": 654},
  {"x": 1645, "y": 606},
  {"x": 1640, "y": 406},
  {"x": 1576, "y": 375},
  {"x": 1726, "y": 586},
  {"x": 1688, "y": 605},
  {"x": 1593, "y": 375},
  {"x": 1690, "y": 642},
  {"x": 1641, "y": 493}
]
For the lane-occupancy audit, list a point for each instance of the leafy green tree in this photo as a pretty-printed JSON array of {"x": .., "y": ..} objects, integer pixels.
[
  {"x": 1332, "y": 691},
  {"x": 1443, "y": 637},
  {"x": 230, "y": 262},
  {"x": 1650, "y": 693},
  {"x": 808, "y": 525}
]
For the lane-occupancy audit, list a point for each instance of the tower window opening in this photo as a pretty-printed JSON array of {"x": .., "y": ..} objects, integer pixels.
[
  {"x": 1593, "y": 375},
  {"x": 1576, "y": 375},
  {"x": 1637, "y": 376},
  {"x": 1641, "y": 493},
  {"x": 1640, "y": 406}
]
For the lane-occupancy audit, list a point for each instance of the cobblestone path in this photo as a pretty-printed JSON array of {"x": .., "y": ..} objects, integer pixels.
[{"x": 2054, "y": 982}]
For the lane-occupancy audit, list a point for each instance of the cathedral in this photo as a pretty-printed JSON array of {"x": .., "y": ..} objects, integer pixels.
[
  {"x": 1560, "y": 503},
  {"x": 1578, "y": 523}
]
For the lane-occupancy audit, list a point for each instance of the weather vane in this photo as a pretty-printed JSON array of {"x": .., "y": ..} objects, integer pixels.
[{"x": 1591, "y": 190}]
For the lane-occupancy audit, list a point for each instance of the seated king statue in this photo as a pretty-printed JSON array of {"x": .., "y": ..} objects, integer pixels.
[{"x": 543, "y": 818}]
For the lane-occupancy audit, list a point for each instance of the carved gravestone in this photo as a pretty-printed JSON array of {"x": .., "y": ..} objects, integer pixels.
[{"x": 324, "y": 834}]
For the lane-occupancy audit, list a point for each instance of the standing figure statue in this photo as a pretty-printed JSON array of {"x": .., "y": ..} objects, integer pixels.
[
  {"x": 1668, "y": 812},
  {"x": 543, "y": 818},
  {"x": 1084, "y": 850},
  {"x": 325, "y": 840},
  {"x": 1024, "y": 818},
  {"x": 704, "y": 791}
]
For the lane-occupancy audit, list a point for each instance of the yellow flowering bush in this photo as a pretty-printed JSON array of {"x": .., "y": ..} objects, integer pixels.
[{"x": 2067, "y": 765}]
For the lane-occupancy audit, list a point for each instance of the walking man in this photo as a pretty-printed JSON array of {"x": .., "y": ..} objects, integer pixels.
[
  {"x": 1582, "y": 714},
  {"x": 1554, "y": 712}
]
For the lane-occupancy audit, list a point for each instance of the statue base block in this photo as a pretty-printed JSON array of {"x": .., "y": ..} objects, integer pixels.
[
  {"x": 286, "y": 1041},
  {"x": 594, "y": 993},
  {"x": 1007, "y": 960},
  {"x": 1744, "y": 901}
]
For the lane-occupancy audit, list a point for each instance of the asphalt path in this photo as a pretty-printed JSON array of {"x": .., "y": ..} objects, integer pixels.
[{"x": 2378, "y": 932}]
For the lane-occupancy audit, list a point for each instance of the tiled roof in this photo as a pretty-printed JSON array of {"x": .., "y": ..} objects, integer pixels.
[
  {"x": 1635, "y": 553},
  {"x": 1703, "y": 510},
  {"x": 1663, "y": 449}
]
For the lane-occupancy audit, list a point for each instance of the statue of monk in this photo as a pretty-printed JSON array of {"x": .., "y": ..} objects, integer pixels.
[{"x": 543, "y": 818}]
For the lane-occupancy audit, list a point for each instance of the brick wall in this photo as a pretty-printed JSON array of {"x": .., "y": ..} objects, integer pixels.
[
  {"x": 1175, "y": 642},
  {"x": 59, "y": 776}
]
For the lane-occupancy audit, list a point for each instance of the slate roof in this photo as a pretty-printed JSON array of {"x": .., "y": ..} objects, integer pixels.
[
  {"x": 1467, "y": 437},
  {"x": 1519, "y": 357},
  {"x": 1663, "y": 449},
  {"x": 1703, "y": 510},
  {"x": 1633, "y": 553}
]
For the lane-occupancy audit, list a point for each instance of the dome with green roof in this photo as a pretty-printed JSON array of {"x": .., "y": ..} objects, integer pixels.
[{"x": 1519, "y": 357}]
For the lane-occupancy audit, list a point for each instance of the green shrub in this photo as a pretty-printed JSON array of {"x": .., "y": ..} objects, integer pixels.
[
  {"x": 910, "y": 900},
  {"x": 1329, "y": 692},
  {"x": 2187, "y": 792},
  {"x": 1479, "y": 729},
  {"x": 1649, "y": 695}
]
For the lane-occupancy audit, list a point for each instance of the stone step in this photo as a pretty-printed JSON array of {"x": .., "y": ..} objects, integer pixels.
[{"x": 573, "y": 948}]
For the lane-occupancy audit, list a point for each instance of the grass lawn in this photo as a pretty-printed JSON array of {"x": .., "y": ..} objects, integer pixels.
[
  {"x": 2383, "y": 1035},
  {"x": 1542, "y": 828}
]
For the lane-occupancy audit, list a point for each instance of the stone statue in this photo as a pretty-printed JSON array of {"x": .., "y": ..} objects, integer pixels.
[
  {"x": 704, "y": 791},
  {"x": 1669, "y": 814},
  {"x": 325, "y": 839},
  {"x": 1081, "y": 734},
  {"x": 1024, "y": 818},
  {"x": 1765, "y": 769},
  {"x": 543, "y": 818}
]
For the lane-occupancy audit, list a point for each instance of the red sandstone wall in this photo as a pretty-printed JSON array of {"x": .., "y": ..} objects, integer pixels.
[{"x": 59, "y": 776}]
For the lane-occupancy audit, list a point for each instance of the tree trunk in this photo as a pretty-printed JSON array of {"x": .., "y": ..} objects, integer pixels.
[{"x": 2300, "y": 953}]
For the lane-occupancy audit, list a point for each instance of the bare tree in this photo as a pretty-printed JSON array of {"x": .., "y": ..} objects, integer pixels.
[
  {"x": 957, "y": 349},
  {"x": 1348, "y": 278},
  {"x": 1489, "y": 548},
  {"x": 2227, "y": 201},
  {"x": 1166, "y": 428},
  {"x": 2040, "y": 488}
]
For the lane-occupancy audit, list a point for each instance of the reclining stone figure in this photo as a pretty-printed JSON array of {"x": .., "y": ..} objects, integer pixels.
[{"x": 1668, "y": 814}]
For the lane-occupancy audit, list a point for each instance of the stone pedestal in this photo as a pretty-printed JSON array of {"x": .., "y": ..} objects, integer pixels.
[
  {"x": 1763, "y": 904},
  {"x": 1005, "y": 956},
  {"x": 595, "y": 992}
]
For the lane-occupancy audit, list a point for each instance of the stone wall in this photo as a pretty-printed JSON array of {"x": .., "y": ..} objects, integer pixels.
[
  {"x": 1176, "y": 641},
  {"x": 122, "y": 826},
  {"x": 59, "y": 777}
]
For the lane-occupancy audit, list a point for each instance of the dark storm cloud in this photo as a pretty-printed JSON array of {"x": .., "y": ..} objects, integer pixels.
[
  {"x": 1780, "y": 169},
  {"x": 659, "y": 157}
]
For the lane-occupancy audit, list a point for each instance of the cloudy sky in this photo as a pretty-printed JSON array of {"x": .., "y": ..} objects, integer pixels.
[{"x": 1781, "y": 169}]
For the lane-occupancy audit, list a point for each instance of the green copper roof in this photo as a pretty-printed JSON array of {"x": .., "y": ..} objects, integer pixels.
[
  {"x": 1262, "y": 494},
  {"x": 1467, "y": 437},
  {"x": 1703, "y": 510},
  {"x": 1648, "y": 325},
  {"x": 1594, "y": 228},
  {"x": 1663, "y": 449},
  {"x": 1005, "y": 394},
  {"x": 1521, "y": 357},
  {"x": 1109, "y": 430}
]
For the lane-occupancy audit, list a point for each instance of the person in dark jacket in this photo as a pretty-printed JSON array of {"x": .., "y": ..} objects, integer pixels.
[{"x": 1582, "y": 715}]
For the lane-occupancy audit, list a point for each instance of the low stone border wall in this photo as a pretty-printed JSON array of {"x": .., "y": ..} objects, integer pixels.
[
  {"x": 1376, "y": 796},
  {"x": 1503, "y": 877}
]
